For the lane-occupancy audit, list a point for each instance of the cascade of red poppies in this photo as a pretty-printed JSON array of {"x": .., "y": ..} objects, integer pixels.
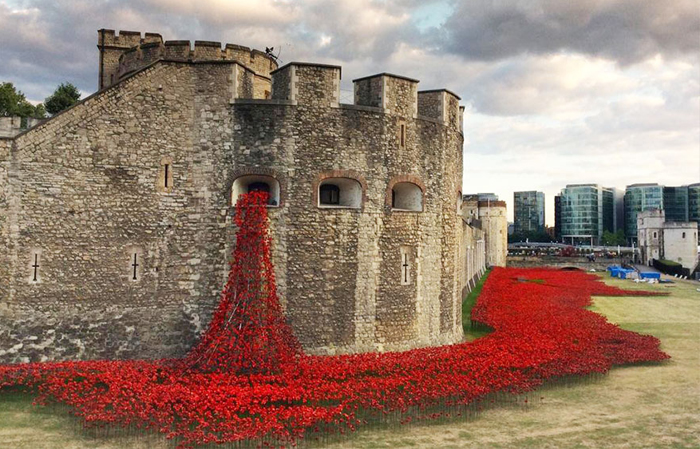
[
  {"x": 248, "y": 380},
  {"x": 248, "y": 332}
]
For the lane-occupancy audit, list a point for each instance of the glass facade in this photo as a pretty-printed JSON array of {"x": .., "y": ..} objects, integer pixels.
[
  {"x": 528, "y": 211},
  {"x": 694, "y": 203},
  {"x": 676, "y": 203},
  {"x": 608, "y": 206},
  {"x": 557, "y": 218},
  {"x": 638, "y": 198},
  {"x": 582, "y": 213}
]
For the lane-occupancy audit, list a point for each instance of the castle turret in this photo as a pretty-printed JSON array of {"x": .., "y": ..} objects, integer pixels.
[
  {"x": 395, "y": 94},
  {"x": 305, "y": 83},
  {"x": 112, "y": 46},
  {"x": 441, "y": 105}
]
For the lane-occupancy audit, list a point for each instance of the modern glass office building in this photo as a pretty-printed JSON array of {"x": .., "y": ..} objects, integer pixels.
[
  {"x": 557, "y": 218},
  {"x": 676, "y": 203},
  {"x": 638, "y": 198},
  {"x": 694, "y": 203},
  {"x": 586, "y": 211},
  {"x": 528, "y": 209}
]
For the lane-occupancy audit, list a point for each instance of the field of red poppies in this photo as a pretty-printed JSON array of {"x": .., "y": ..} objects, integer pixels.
[{"x": 248, "y": 379}]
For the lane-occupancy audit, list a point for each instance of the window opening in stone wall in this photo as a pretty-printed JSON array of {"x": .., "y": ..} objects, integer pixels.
[
  {"x": 329, "y": 194},
  {"x": 405, "y": 271},
  {"x": 684, "y": 235},
  {"x": 402, "y": 134},
  {"x": 259, "y": 187},
  {"x": 260, "y": 183},
  {"x": 165, "y": 176},
  {"x": 406, "y": 196},
  {"x": 655, "y": 235},
  {"x": 135, "y": 267},
  {"x": 35, "y": 266},
  {"x": 340, "y": 193}
]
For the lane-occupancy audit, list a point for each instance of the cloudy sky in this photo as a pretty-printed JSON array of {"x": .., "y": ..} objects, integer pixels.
[{"x": 557, "y": 91}]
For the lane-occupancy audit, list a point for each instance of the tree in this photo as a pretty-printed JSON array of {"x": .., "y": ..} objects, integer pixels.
[
  {"x": 612, "y": 239},
  {"x": 532, "y": 236},
  {"x": 13, "y": 102},
  {"x": 65, "y": 96}
]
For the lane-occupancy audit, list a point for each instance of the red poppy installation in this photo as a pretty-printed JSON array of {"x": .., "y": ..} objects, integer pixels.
[{"x": 248, "y": 379}]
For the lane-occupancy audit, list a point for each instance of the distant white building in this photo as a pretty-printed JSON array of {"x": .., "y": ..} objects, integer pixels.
[{"x": 661, "y": 239}]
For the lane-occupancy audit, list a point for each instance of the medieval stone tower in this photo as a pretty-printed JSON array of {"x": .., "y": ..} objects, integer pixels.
[{"x": 115, "y": 215}]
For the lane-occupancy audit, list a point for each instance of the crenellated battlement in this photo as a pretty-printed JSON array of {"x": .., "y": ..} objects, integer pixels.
[
  {"x": 394, "y": 93},
  {"x": 441, "y": 105},
  {"x": 256, "y": 76},
  {"x": 112, "y": 45},
  {"x": 302, "y": 83},
  {"x": 143, "y": 54},
  {"x": 128, "y": 51},
  {"x": 125, "y": 39}
]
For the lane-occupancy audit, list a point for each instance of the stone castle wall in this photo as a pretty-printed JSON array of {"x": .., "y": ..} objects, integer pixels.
[
  {"x": 81, "y": 194},
  {"x": 495, "y": 225}
]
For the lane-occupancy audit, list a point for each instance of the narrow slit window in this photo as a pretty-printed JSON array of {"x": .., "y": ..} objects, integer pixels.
[
  {"x": 135, "y": 267},
  {"x": 405, "y": 268},
  {"x": 164, "y": 182},
  {"x": 35, "y": 266},
  {"x": 401, "y": 134}
]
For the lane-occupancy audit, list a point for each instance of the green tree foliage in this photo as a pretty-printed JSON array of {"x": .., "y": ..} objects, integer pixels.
[
  {"x": 540, "y": 237},
  {"x": 13, "y": 103},
  {"x": 65, "y": 96},
  {"x": 613, "y": 238}
]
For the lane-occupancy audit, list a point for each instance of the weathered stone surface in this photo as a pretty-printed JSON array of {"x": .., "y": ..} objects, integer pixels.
[{"x": 81, "y": 194}]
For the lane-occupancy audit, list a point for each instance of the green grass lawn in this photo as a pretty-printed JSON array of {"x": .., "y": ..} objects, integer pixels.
[
  {"x": 473, "y": 330},
  {"x": 636, "y": 407}
]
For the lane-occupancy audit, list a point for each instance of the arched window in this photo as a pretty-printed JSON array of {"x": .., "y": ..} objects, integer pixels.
[
  {"x": 256, "y": 183},
  {"x": 340, "y": 193},
  {"x": 406, "y": 196}
]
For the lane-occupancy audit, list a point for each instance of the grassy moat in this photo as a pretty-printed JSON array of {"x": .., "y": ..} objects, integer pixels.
[{"x": 648, "y": 406}]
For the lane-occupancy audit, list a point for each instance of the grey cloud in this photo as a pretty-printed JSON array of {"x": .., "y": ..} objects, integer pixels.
[{"x": 623, "y": 30}]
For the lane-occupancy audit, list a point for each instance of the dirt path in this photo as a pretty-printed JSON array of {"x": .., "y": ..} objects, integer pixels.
[{"x": 631, "y": 407}]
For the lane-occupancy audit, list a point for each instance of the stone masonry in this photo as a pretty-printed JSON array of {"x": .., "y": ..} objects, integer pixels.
[{"x": 115, "y": 215}]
